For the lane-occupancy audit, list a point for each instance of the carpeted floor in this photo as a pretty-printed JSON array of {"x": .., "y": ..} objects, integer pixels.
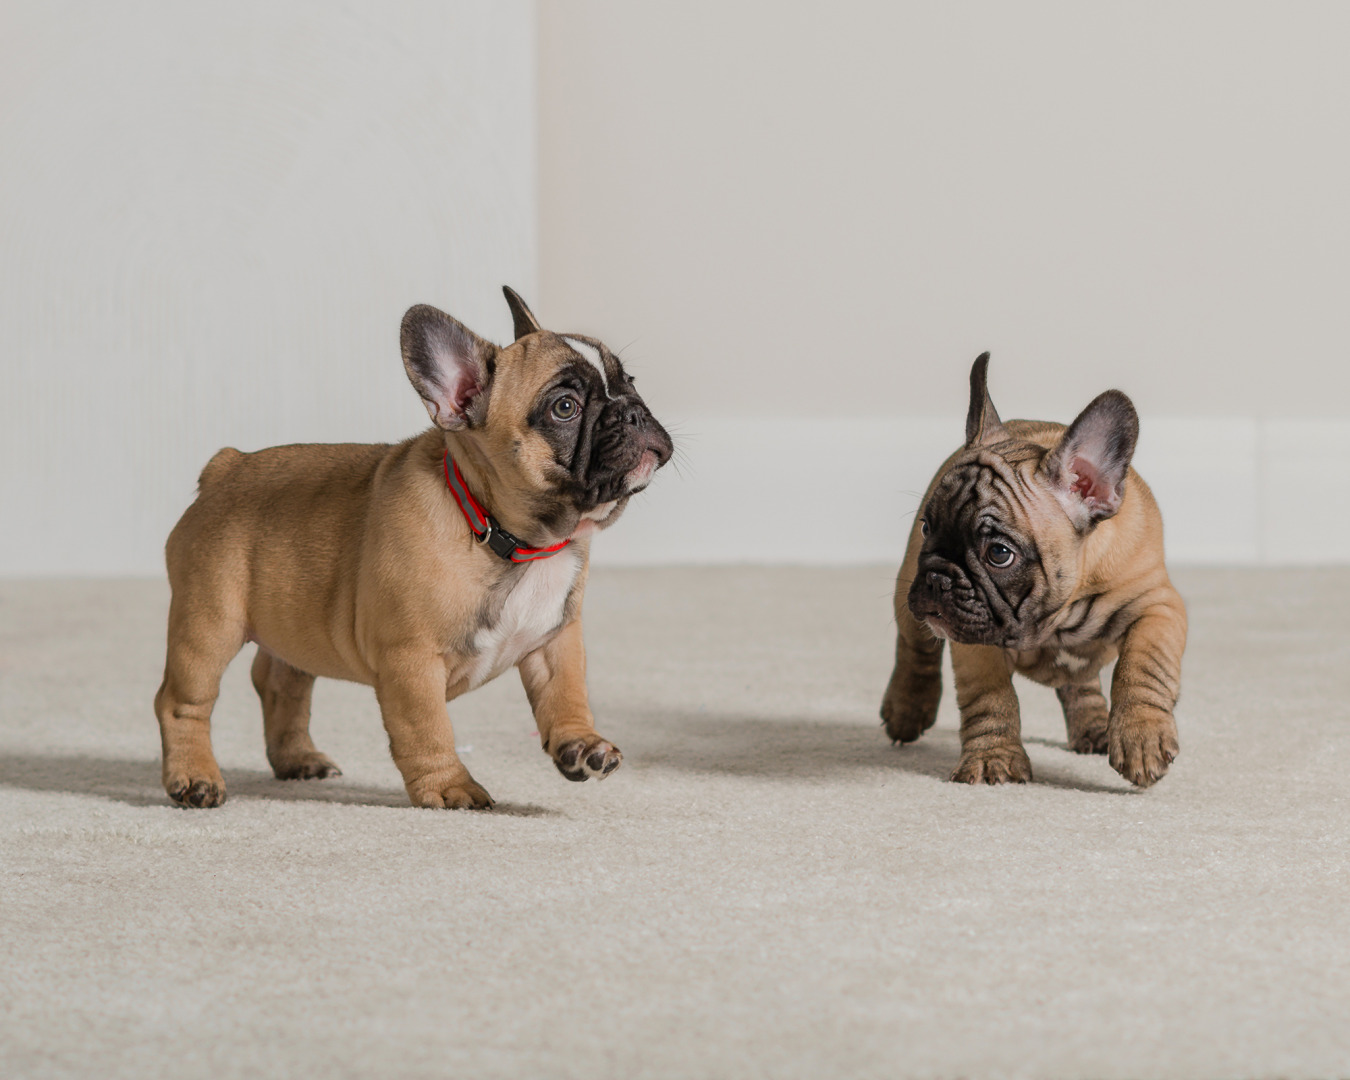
[{"x": 766, "y": 888}]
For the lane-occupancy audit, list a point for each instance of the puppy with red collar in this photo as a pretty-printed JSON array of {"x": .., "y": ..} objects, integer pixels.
[{"x": 422, "y": 569}]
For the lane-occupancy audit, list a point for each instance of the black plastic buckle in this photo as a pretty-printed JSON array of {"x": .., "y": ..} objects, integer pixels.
[{"x": 499, "y": 540}]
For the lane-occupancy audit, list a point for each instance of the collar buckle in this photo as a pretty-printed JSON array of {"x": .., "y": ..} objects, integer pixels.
[
  {"x": 499, "y": 541},
  {"x": 496, "y": 539}
]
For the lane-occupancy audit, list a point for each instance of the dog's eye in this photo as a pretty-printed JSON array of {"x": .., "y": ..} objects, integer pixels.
[
  {"x": 999, "y": 556},
  {"x": 923, "y": 526},
  {"x": 566, "y": 408}
]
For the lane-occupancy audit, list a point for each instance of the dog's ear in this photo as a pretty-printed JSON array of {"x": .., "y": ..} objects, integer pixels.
[
  {"x": 447, "y": 363},
  {"x": 1088, "y": 467},
  {"x": 521, "y": 315},
  {"x": 983, "y": 427}
]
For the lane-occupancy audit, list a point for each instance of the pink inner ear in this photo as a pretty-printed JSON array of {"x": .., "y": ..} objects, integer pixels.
[
  {"x": 1087, "y": 482},
  {"x": 462, "y": 390}
]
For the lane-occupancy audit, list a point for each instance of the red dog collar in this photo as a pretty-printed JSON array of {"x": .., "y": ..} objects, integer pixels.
[{"x": 484, "y": 525}]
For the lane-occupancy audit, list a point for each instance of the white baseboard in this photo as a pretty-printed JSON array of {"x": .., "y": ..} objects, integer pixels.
[{"x": 1233, "y": 491}]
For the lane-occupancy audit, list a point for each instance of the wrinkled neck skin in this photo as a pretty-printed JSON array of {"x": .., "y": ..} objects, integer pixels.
[
  {"x": 1114, "y": 556},
  {"x": 1084, "y": 574},
  {"x": 495, "y": 478}
]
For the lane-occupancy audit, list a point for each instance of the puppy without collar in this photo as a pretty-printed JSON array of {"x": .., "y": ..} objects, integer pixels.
[
  {"x": 1038, "y": 550},
  {"x": 423, "y": 569}
]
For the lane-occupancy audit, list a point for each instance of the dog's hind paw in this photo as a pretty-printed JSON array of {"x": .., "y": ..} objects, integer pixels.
[
  {"x": 1091, "y": 740},
  {"x": 310, "y": 766},
  {"x": 581, "y": 759},
  {"x": 1000, "y": 765},
  {"x": 196, "y": 793}
]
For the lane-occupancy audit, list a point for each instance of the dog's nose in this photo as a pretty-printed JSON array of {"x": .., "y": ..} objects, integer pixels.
[
  {"x": 939, "y": 582},
  {"x": 633, "y": 416},
  {"x": 623, "y": 413}
]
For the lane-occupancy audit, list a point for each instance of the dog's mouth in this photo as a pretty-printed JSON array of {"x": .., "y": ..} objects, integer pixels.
[
  {"x": 596, "y": 518},
  {"x": 950, "y": 626},
  {"x": 640, "y": 476},
  {"x": 937, "y": 627},
  {"x": 931, "y": 616},
  {"x": 968, "y": 635}
]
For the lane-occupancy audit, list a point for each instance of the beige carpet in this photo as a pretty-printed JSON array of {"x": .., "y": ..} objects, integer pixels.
[{"x": 766, "y": 888}]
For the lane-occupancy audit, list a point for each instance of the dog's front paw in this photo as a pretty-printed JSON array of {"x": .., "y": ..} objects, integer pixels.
[
  {"x": 581, "y": 759},
  {"x": 910, "y": 707},
  {"x": 1142, "y": 749},
  {"x": 1001, "y": 765},
  {"x": 458, "y": 792},
  {"x": 201, "y": 792}
]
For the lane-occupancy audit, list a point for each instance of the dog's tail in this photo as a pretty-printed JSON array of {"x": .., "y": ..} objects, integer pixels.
[{"x": 221, "y": 463}]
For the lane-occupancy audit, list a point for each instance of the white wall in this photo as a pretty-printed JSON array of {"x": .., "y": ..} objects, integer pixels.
[
  {"x": 212, "y": 217},
  {"x": 845, "y": 489},
  {"x": 803, "y": 221}
]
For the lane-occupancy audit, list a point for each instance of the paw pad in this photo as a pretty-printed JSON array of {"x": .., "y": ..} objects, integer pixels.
[{"x": 581, "y": 759}]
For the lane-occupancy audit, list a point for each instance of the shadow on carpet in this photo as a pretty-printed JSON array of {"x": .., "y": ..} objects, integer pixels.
[
  {"x": 137, "y": 783},
  {"x": 790, "y": 749}
]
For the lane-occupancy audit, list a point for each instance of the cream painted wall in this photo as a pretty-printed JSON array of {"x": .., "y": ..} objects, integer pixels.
[
  {"x": 212, "y": 217},
  {"x": 802, "y": 221}
]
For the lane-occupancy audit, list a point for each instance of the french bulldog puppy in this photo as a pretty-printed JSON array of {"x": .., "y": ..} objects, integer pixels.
[
  {"x": 1038, "y": 550},
  {"x": 423, "y": 569}
]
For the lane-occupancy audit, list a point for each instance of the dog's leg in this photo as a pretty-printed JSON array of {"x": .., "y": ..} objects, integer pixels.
[
  {"x": 555, "y": 682},
  {"x": 1141, "y": 731},
  {"x": 910, "y": 705},
  {"x": 202, "y": 641},
  {"x": 991, "y": 724},
  {"x": 411, "y": 693},
  {"x": 1085, "y": 714},
  {"x": 286, "y": 693}
]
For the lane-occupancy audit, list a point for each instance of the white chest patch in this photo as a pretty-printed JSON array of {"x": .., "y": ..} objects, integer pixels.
[
  {"x": 1069, "y": 661},
  {"x": 532, "y": 611}
]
